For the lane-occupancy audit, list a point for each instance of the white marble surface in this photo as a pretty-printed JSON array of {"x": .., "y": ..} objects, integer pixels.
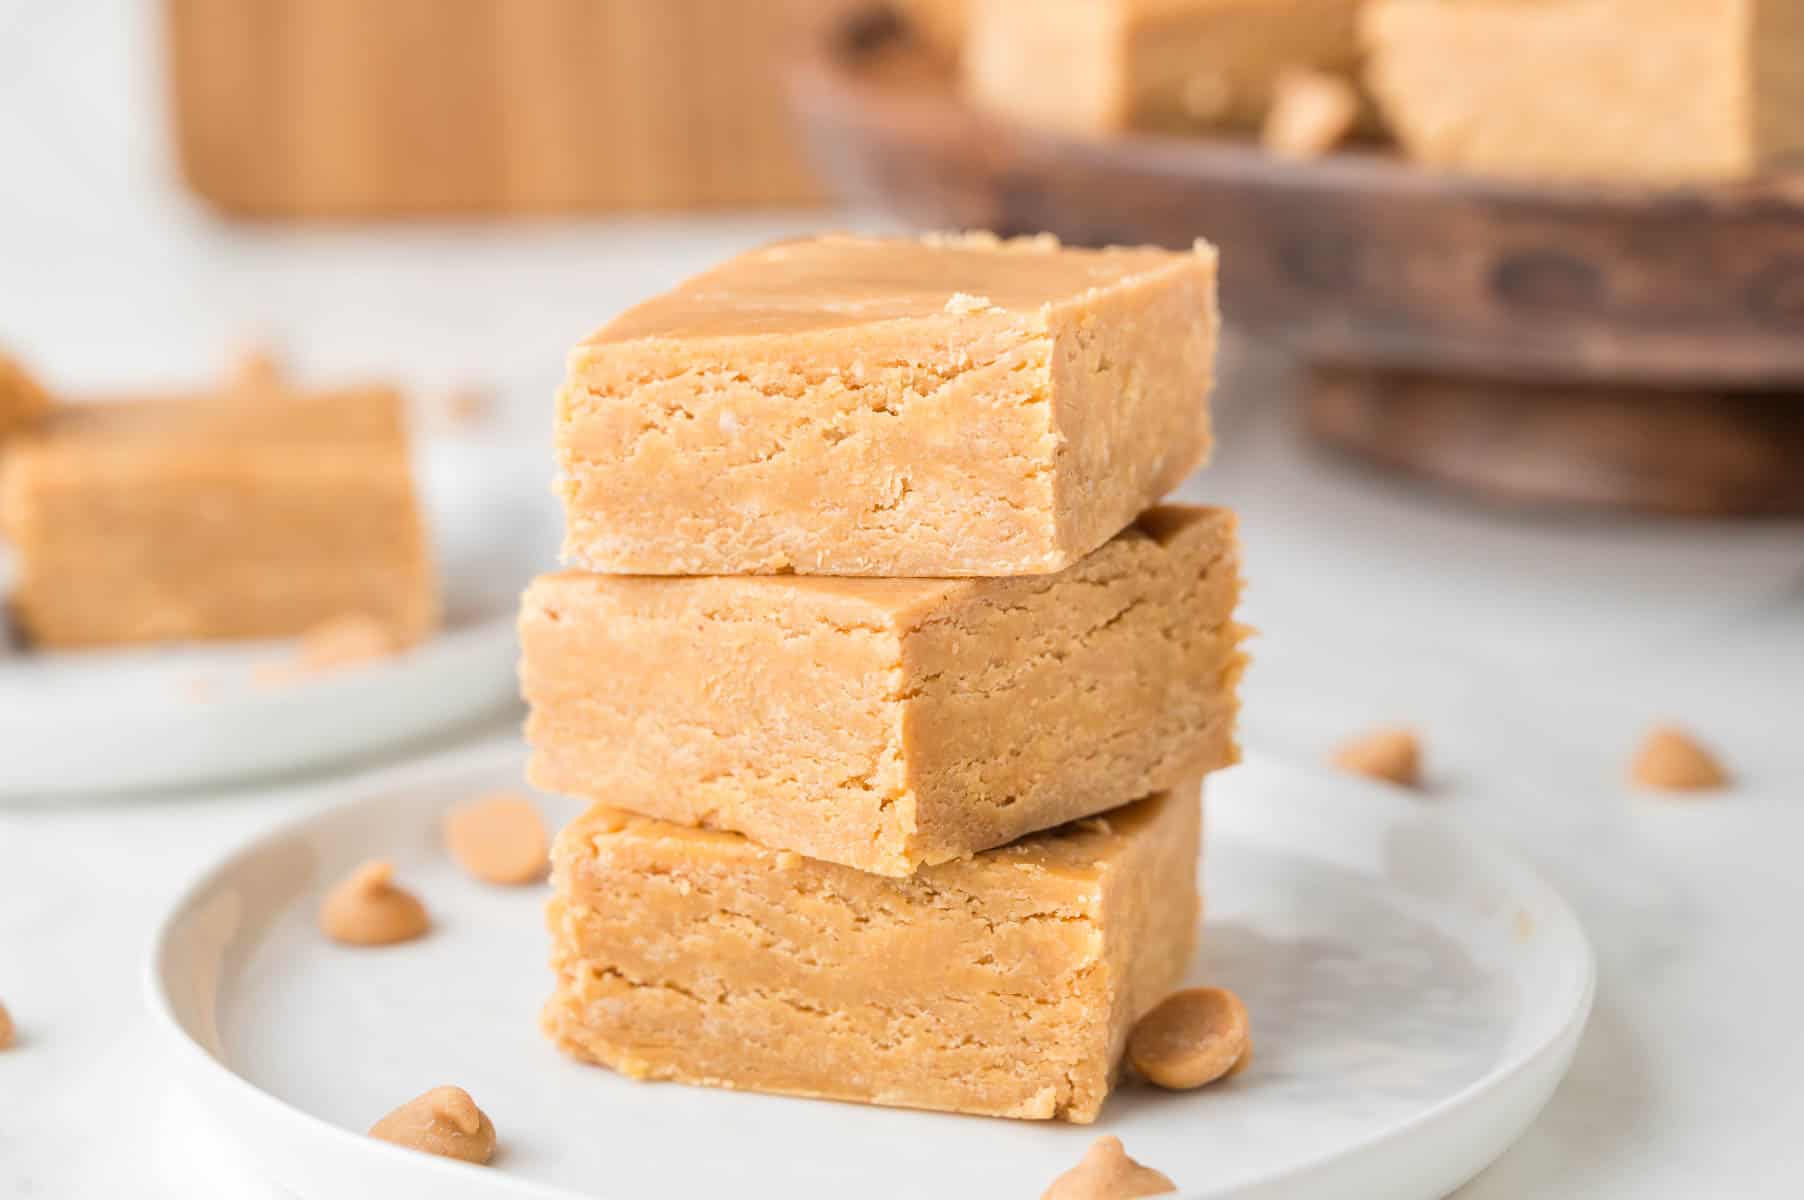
[{"x": 1529, "y": 651}]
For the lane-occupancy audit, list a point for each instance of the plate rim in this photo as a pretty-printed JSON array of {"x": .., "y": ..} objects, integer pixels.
[
  {"x": 355, "y": 792},
  {"x": 151, "y": 740},
  {"x": 1562, "y": 1040}
]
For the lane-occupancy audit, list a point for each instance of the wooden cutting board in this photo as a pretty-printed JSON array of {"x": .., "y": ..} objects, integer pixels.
[{"x": 373, "y": 108}]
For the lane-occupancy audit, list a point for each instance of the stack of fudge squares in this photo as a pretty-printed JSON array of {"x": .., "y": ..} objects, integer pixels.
[{"x": 891, "y": 681}]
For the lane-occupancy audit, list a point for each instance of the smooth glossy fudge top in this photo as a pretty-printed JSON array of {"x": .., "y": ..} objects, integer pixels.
[{"x": 841, "y": 281}]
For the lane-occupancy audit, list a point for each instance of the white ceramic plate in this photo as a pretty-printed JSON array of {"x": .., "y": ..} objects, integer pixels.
[
  {"x": 1415, "y": 996},
  {"x": 144, "y": 719}
]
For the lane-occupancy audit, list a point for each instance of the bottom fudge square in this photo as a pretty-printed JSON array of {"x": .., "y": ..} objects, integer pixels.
[{"x": 1002, "y": 985}]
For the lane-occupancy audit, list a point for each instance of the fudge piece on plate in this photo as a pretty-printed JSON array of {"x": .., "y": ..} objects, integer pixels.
[
  {"x": 217, "y": 517},
  {"x": 1002, "y": 985},
  {"x": 888, "y": 723}
]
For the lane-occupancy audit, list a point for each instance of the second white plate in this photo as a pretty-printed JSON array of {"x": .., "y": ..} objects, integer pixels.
[
  {"x": 160, "y": 717},
  {"x": 1415, "y": 994}
]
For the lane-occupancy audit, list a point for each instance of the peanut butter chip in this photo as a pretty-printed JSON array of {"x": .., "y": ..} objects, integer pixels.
[
  {"x": 333, "y": 645},
  {"x": 498, "y": 839},
  {"x": 1390, "y": 755},
  {"x": 1194, "y": 1037},
  {"x": 1107, "y": 1173},
  {"x": 369, "y": 910},
  {"x": 1671, "y": 760},
  {"x": 444, "y": 1121},
  {"x": 468, "y": 405},
  {"x": 1312, "y": 112},
  {"x": 256, "y": 374},
  {"x": 7, "y": 1032}
]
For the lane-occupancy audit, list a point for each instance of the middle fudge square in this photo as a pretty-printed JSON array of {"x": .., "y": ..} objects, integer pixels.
[
  {"x": 886, "y": 723},
  {"x": 1003, "y": 984},
  {"x": 888, "y": 407}
]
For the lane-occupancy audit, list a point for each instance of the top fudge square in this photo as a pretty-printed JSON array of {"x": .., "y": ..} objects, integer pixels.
[{"x": 957, "y": 405}]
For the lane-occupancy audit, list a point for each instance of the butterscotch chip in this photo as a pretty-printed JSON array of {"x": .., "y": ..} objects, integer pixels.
[
  {"x": 369, "y": 910},
  {"x": 7, "y": 1032},
  {"x": 468, "y": 405},
  {"x": 498, "y": 839},
  {"x": 345, "y": 640},
  {"x": 1242, "y": 1063},
  {"x": 1312, "y": 112},
  {"x": 1193, "y": 1037},
  {"x": 444, "y": 1121},
  {"x": 1671, "y": 760},
  {"x": 1107, "y": 1173},
  {"x": 256, "y": 373},
  {"x": 1391, "y": 755},
  {"x": 333, "y": 645}
]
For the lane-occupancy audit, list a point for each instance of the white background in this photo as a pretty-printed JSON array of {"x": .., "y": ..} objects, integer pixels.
[{"x": 1530, "y": 652}]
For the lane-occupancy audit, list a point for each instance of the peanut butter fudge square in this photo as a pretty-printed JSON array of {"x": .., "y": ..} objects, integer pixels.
[
  {"x": 858, "y": 406},
  {"x": 1103, "y": 66},
  {"x": 217, "y": 517},
  {"x": 887, "y": 723},
  {"x": 1002, "y": 985},
  {"x": 1681, "y": 90}
]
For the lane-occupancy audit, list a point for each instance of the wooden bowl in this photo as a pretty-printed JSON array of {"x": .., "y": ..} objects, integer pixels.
[
  {"x": 1361, "y": 261},
  {"x": 1673, "y": 452}
]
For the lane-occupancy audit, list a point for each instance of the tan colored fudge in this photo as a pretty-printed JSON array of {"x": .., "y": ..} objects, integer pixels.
[
  {"x": 23, "y": 402},
  {"x": 1177, "y": 66},
  {"x": 1674, "y": 91},
  {"x": 217, "y": 517},
  {"x": 1001, "y": 985},
  {"x": 856, "y": 406},
  {"x": 888, "y": 723},
  {"x": 939, "y": 24}
]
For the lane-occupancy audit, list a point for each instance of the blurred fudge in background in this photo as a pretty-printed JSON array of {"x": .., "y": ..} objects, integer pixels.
[
  {"x": 1104, "y": 66},
  {"x": 255, "y": 511},
  {"x": 1674, "y": 91}
]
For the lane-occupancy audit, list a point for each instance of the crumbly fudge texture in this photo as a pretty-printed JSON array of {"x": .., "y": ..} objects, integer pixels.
[
  {"x": 1679, "y": 91},
  {"x": 886, "y": 723},
  {"x": 1104, "y": 66},
  {"x": 1002, "y": 985},
  {"x": 854, "y": 406},
  {"x": 168, "y": 520}
]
